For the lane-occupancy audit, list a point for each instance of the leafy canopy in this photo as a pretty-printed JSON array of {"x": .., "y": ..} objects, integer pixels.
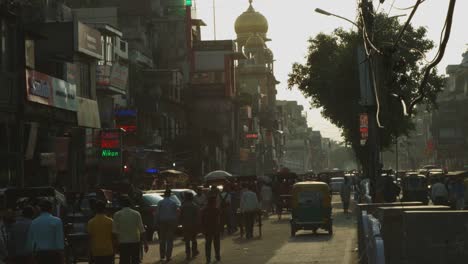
[{"x": 330, "y": 77}]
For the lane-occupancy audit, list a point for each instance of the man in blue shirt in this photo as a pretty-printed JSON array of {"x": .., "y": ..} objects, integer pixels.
[
  {"x": 19, "y": 251},
  {"x": 45, "y": 236},
  {"x": 168, "y": 212}
]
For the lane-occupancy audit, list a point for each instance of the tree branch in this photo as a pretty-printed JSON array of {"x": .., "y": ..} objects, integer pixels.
[
  {"x": 440, "y": 55},
  {"x": 400, "y": 35}
]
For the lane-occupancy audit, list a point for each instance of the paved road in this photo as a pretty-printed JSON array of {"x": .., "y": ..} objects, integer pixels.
[{"x": 276, "y": 245}]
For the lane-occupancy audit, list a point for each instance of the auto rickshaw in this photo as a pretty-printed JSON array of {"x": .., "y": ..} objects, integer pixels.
[
  {"x": 311, "y": 207},
  {"x": 415, "y": 188}
]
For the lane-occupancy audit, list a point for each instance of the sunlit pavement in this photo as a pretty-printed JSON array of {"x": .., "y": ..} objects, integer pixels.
[{"x": 277, "y": 246}]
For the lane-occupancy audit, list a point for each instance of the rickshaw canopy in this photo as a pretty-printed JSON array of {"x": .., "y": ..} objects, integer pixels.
[{"x": 311, "y": 191}]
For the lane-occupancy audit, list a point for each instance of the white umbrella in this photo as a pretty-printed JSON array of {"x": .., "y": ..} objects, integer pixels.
[
  {"x": 217, "y": 175},
  {"x": 265, "y": 179}
]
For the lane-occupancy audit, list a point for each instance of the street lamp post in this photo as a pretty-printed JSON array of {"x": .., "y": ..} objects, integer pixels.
[{"x": 323, "y": 12}]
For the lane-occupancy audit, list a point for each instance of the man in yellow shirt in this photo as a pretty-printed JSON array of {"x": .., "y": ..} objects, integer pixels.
[{"x": 101, "y": 236}]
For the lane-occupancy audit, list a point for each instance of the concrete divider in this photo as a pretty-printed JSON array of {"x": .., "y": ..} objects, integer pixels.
[
  {"x": 391, "y": 231},
  {"x": 365, "y": 210},
  {"x": 435, "y": 237}
]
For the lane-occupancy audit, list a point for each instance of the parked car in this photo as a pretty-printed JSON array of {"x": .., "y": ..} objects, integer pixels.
[
  {"x": 336, "y": 183},
  {"x": 180, "y": 193}
]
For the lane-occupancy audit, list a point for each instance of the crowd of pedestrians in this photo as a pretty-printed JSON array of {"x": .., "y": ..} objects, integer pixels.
[{"x": 37, "y": 236}]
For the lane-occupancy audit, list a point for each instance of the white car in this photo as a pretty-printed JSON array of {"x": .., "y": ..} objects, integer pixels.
[{"x": 336, "y": 183}]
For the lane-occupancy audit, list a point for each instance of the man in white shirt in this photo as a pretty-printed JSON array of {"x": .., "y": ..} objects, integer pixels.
[
  {"x": 267, "y": 197},
  {"x": 129, "y": 229},
  {"x": 439, "y": 193},
  {"x": 249, "y": 207}
]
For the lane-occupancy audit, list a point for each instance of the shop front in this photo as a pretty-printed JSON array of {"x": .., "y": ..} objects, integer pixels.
[{"x": 50, "y": 115}]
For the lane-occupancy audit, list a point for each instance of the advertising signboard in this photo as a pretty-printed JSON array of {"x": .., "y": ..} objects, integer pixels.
[
  {"x": 103, "y": 75},
  {"x": 64, "y": 95},
  {"x": 126, "y": 119},
  {"x": 111, "y": 160},
  {"x": 44, "y": 89},
  {"x": 115, "y": 76},
  {"x": 119, "y": 76},
  {"x": 364, "y": 125},
  {"x": 88, "y": 41}
]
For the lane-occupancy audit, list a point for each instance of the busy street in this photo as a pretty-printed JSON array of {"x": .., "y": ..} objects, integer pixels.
[
  {"x": 245, "y": 131},
  {"x": 276, "y": 245}
]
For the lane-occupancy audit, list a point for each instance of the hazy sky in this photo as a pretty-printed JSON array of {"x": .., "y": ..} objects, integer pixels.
[{"x": 293, "y": 22}]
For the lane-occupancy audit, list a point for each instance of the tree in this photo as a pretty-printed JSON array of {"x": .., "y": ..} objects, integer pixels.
[{"x": 330, "y": 78}]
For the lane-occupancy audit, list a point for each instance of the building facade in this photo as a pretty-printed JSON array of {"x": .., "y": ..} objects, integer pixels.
[
  {"x": 450, "y": 129},
  {"x": 259, "y": 136}
]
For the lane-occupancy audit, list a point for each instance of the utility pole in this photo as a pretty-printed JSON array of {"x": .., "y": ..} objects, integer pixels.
[
  {"x": 373, "y": 143},
  {"x": 214, "y": 19},
  {"x": 396, "y": 154}
]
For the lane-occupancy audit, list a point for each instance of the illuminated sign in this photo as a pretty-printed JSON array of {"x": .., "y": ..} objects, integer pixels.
[
  {"x": 110, "y": 153},
  {"x": 128, "y": 128},
  {"x": 126, "y": 119},
  {"x": 111, "y": 143},
  {"x": 251, "y": 136},
  {"x": 125, "y": 112},
  {"x": 152, "y": 170}
]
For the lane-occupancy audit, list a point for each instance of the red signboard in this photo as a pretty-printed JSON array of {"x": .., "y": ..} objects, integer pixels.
[
  {"x": 251, "y": 136},
  {"x": 364, "y": 126},
  {"x": 128, "y": 128},
  {"x": 110, "y": 143}
]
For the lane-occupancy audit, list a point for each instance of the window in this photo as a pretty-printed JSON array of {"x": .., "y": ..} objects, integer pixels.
[
  {"x": 85, "y": 80},
  {"x": 29, "y": 53},
  {"x": 108, "y": 44},
  {"x": 109, "y": 50},
  {"x": 103, "y": 46}
]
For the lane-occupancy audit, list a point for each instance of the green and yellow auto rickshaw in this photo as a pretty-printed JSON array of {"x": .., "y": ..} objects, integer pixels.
[{"x": 311, "y": 207}]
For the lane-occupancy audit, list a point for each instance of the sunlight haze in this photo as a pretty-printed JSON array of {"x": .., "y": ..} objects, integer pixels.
[{"x": 292, "y": 23}]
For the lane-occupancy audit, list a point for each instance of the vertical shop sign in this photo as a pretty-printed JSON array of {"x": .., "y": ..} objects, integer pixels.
[{"x": 111, "y": 161}]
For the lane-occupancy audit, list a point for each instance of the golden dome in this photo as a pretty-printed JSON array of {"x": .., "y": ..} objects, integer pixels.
[
  {"x": 255, "y": 41},
  {"x": 251, "y": 21}
]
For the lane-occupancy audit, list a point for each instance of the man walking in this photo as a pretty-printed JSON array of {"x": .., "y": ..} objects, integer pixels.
[
  {"x": 439, "y": 193},
  {"x": 45, "y": 236},
  {"x": 211, "y": 223},
  {"x": 459, "y": 189},
  {"x": 267, "y": 197},
  {"x": 249, "y": 207},
  {"x": 129, "y": 231},
  {"x": 167, "y": 218},
  {"x": 19, "y": 253},
  {"x": 100, "y": 236},
  {"x": 189, "y": 217},
  {"x": 225, "y": 206},
  {"x": 345, "y": 194},
  {"x": 200, "y": 198}
]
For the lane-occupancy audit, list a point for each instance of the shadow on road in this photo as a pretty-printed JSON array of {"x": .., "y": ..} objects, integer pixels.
[
  {"x": 243, "y": 240},
  {"x": 284, "y": 220},
  {"x": 309, "y": 236}
]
